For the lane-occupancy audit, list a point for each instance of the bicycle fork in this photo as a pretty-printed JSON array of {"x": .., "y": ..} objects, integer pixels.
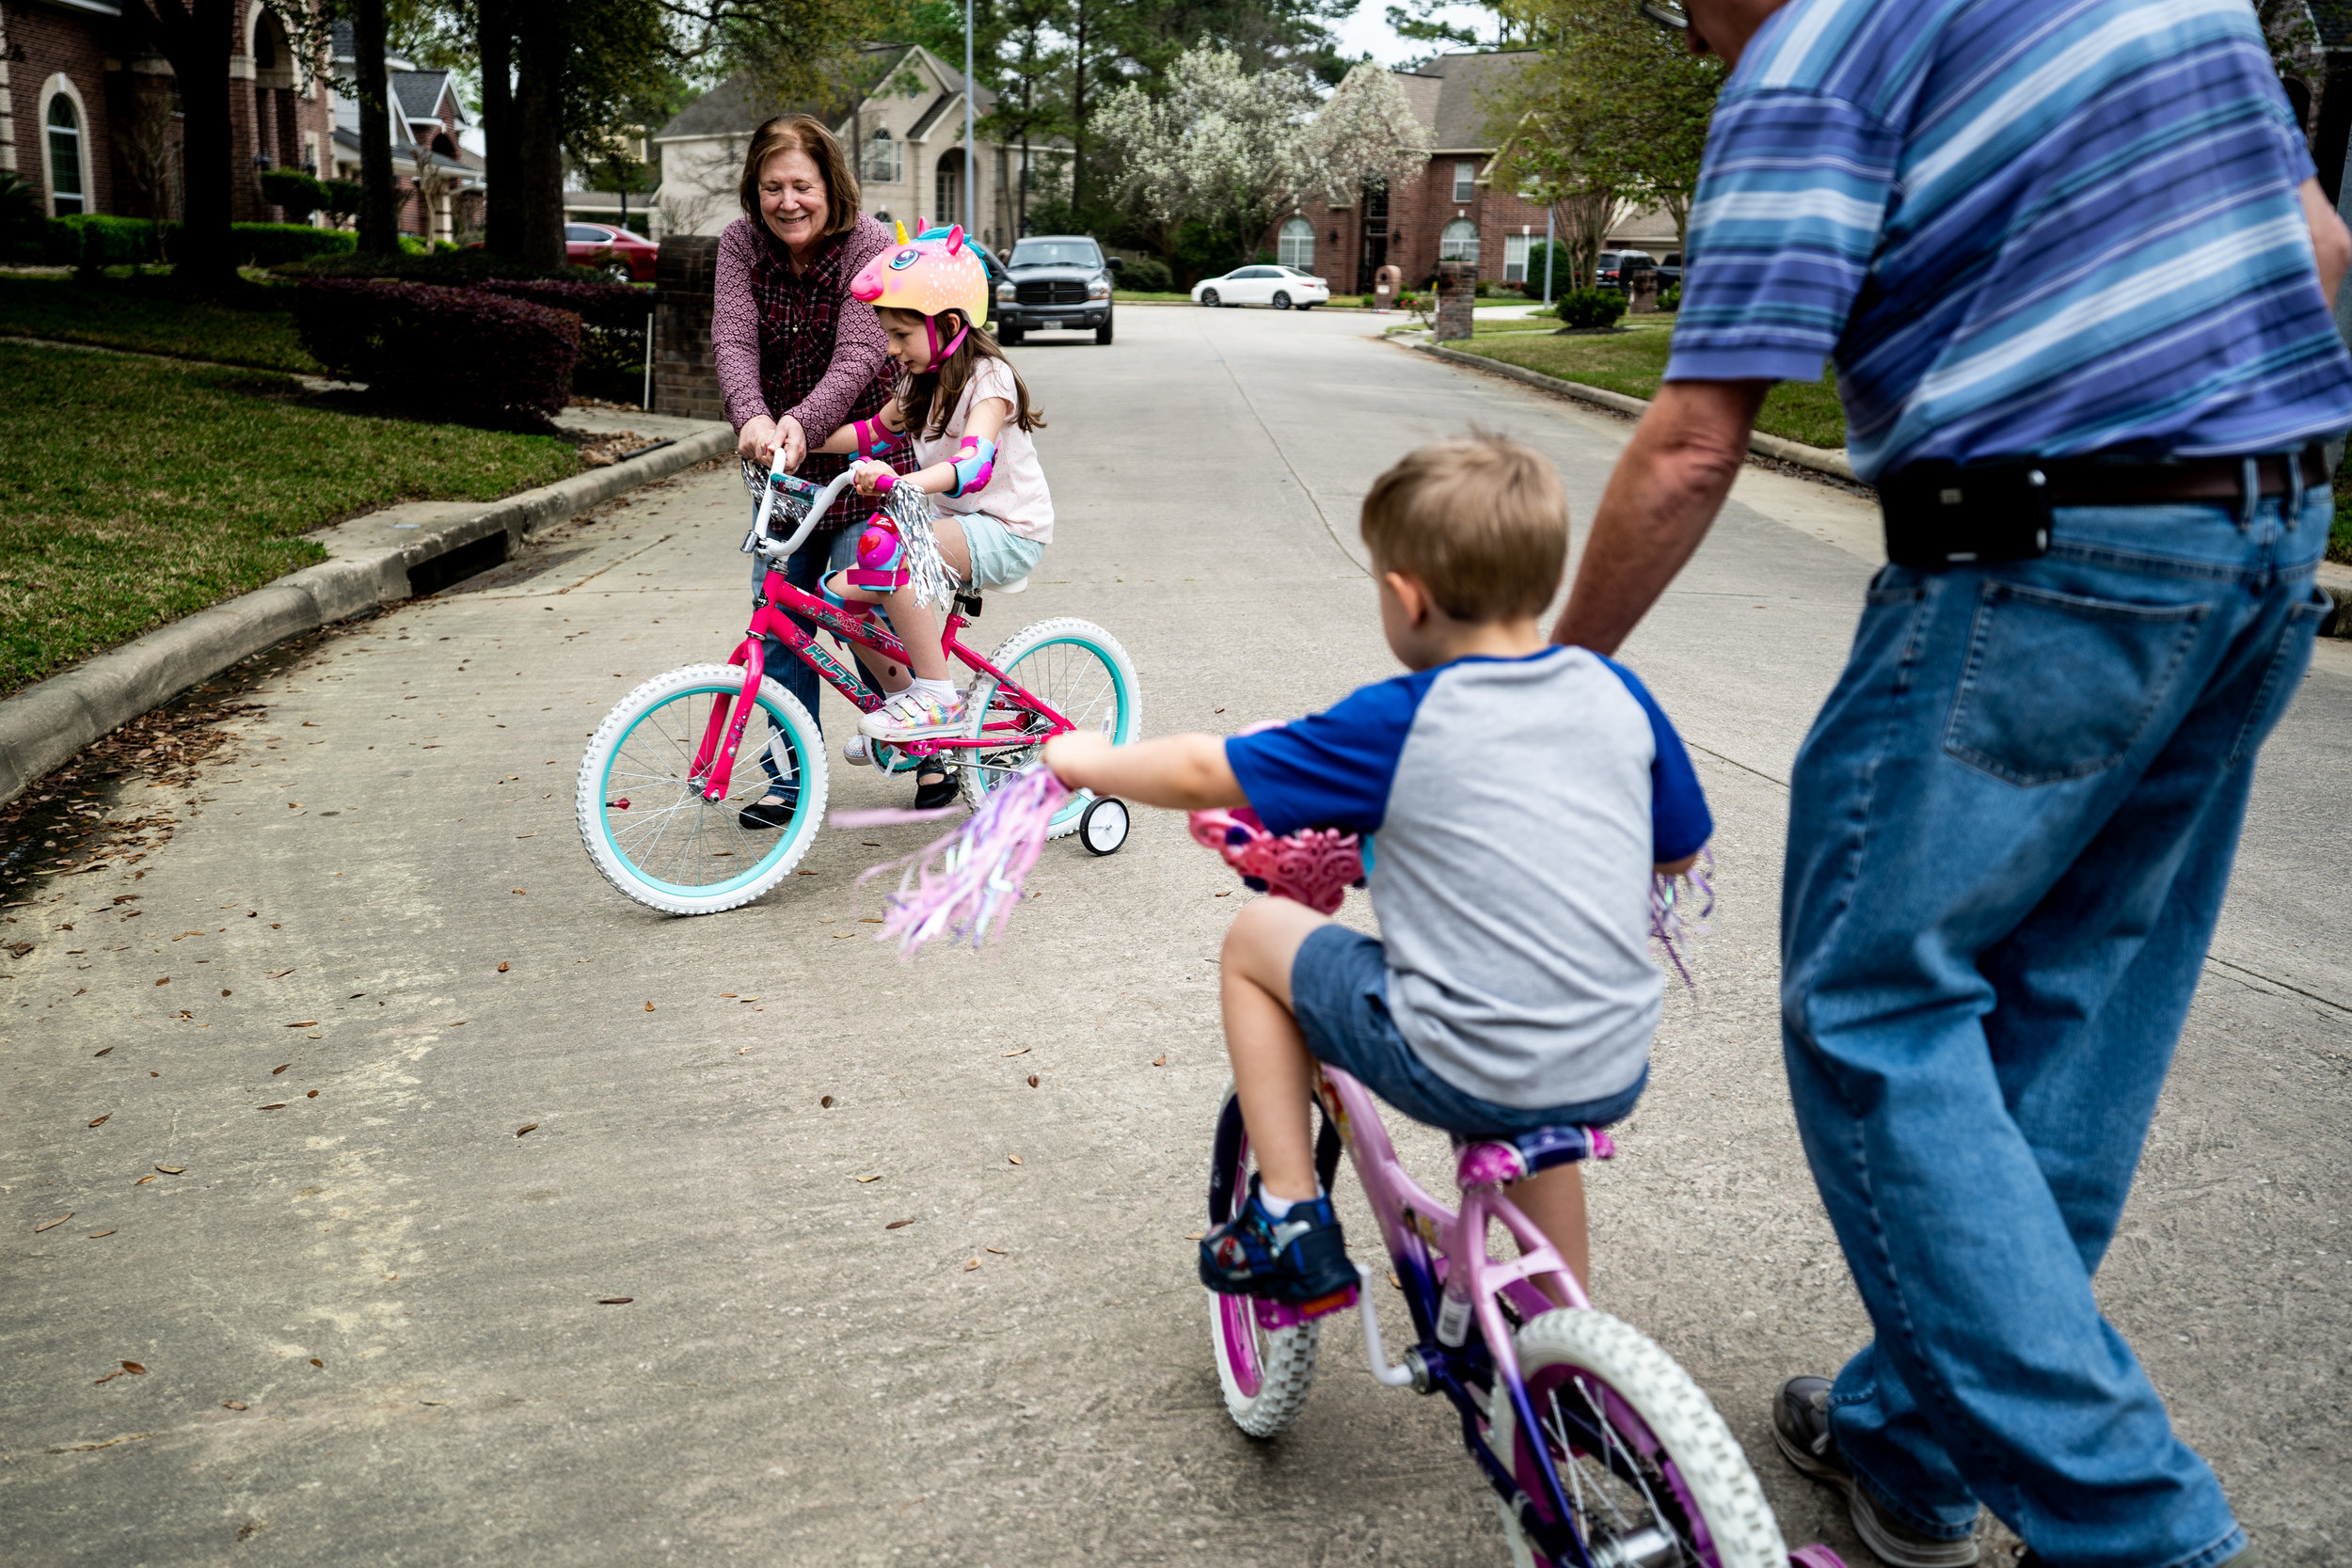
[{"x": 714, "y": 759}]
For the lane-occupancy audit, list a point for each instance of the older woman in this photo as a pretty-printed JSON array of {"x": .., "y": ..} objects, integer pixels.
[{"x": 797, "y": 357}]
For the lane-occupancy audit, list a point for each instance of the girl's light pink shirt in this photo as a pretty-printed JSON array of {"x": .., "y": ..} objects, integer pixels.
[{"x": 1016, "y": 494}]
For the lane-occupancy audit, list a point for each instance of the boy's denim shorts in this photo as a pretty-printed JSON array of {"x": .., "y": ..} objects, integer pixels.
[{"x": 1340, "y": 995}]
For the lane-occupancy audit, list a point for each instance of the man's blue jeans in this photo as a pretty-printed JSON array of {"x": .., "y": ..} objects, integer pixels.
[{"x": 2010, "y": 833}]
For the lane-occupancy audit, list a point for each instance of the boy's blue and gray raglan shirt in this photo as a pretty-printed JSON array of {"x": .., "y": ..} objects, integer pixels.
[
  {"x": 1518, "y": 805},
  {"x": 2022, "y": 227}
]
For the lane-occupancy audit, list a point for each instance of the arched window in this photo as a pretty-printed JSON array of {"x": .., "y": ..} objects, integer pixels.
[
  {"x": 947, "y": 188},
  {"x": 1295, "y": 248},
  {"x": 882, "y": 158},
  {"x": 66, "y": 194},
  {"x": 1459, "y": 241}
]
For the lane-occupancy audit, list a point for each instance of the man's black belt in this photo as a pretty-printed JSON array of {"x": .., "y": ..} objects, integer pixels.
[{"x": 1953, "y": 515}]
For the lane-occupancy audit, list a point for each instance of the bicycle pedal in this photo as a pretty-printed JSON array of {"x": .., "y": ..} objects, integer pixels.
[{"x": 1274, "y": 1315}]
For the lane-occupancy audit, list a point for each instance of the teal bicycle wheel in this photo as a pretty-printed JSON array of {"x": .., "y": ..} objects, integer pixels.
[
  {"x": 1075, "y": 667},
  {"x": 643, "y": 815}
]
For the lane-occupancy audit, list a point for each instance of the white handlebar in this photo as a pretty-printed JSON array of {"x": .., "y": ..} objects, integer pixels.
[{"x": 816, "y": 510}]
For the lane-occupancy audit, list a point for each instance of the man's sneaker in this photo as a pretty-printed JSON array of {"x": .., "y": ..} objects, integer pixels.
[
  {"x": 769, "y": 813},
  {"x": 1301, "y": 1257},
  {"x": 913, "y": 716},
  {"x": 1801, "y": 1427},
  {"x": 858, "y": 752}
]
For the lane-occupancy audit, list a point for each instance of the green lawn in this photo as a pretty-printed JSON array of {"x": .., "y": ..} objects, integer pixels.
[
  {"x": 133, "y": 492},
  {"x": 1634, "y": 362},
  {"x": 123, "y": 313},
  {"x": 1133, "y": 296}
]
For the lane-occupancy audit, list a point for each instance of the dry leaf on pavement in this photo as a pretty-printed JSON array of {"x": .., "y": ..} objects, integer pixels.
[
  {"x": 135, "y": 1368},
  {"x": 526, "y": 1127},
  {"x": 1014, "y": 1158},
  {"x": 232, "y": 1405},
  {"x": 614, "y": 1301},
  {"x": 47, "y": 1225},
  {"x": 503, "y": 969},
  {"x": 1159, "y": 1061},
  {"x": 103, "y": 1120},
  {"x": 172, "y": 1170},
  {"x": 971, "y": 1263},
  {"x": 898, "y": 1224}
]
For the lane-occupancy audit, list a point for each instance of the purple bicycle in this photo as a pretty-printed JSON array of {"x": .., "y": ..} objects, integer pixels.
[{"x": 1602, "y": 1452}]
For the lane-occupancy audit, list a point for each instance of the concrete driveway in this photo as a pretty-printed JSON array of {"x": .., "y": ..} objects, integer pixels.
[{"x": 374, "y": 1325}]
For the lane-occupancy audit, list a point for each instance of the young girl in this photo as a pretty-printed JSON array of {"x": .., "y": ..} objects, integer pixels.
[{"x": 968, "y": 416}]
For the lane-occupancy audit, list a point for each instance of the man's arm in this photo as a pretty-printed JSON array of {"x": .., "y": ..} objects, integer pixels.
[
  {"x": 2330, "y": 242},
  {"x": 1662, "y": 496}
]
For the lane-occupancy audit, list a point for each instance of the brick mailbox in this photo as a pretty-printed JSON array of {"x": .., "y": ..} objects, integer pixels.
[
  {"x": 1457, "y": 295},
  {"x": 685, "y": 378}
]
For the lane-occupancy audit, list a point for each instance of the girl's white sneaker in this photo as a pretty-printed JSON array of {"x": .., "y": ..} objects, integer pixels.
[
  {"x": 913, "y": 716},
  {"x": 858, "y": 752}
]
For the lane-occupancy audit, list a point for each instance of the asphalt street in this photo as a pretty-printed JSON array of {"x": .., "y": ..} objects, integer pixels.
[{"x": 374, "y": 1323}]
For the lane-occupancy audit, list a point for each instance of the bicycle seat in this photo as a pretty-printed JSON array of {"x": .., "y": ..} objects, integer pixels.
[{"x": 1497, "y": 1162}]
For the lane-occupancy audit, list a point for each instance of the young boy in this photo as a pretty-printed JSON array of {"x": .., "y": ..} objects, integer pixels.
[{"x": 1520, "y": 793}]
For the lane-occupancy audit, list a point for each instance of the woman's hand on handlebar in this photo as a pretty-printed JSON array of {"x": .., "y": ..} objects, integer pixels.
[{"x": 757, "y": 441}]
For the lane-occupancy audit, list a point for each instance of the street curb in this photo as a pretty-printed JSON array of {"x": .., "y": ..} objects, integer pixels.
[
  {"x": 47, "y": 724},
  {"x": 1820, "y": 459}
]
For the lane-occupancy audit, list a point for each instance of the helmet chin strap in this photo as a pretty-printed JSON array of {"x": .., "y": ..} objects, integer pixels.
[{"x": 930, "y": 330}]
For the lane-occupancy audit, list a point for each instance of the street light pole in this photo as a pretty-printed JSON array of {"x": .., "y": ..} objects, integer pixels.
[
  {"x": 968, "y": 90},
  {"x": 1548, "y": 249}
]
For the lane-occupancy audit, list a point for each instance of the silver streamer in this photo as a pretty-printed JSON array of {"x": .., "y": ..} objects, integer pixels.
[{"x": 927, "y": 569}]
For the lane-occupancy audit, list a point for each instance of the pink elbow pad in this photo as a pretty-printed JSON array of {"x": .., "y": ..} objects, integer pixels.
[
  {"x": 873, "y": 437},
  {"x": 976, "y": 460}
]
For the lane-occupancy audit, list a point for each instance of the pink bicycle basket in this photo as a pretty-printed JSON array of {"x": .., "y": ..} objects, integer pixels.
[{"x": 1314, "y": 867}]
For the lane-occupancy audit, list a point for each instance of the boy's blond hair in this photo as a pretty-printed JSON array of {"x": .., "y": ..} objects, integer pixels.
[{"x": 1481, "y": 521}]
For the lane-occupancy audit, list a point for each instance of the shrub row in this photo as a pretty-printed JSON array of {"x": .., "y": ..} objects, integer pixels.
[
  {"x": 1147, "y": 275},
  {"x": 450, "y": 268},
  {"x": 612, "y": 330},
  {"x": 123, "y": 241},
  {"x": 466, "y": 350}
]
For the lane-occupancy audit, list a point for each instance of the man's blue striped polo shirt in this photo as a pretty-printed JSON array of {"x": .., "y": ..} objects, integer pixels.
[{"x": 2021, "y": 228}]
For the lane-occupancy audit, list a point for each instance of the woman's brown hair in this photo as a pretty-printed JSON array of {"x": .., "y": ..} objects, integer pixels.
[
  {"x": 929, "y": 400},
  {"x": 804, "y": 134}
]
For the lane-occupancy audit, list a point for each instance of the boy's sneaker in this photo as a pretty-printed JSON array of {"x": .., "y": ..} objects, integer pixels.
[
  {"x": 1301, "y": 1257},
  {"x": 913, "y": 716},
  {"x": 1801, "y": 1427}
]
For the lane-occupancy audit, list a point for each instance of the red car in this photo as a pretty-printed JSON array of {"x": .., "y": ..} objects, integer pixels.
[{"x": 624, "y": 257}]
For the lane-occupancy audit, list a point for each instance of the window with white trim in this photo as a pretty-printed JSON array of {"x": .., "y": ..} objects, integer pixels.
[
  {"x": 1465, "y": 180},
  {"x": 66, "y": 196},
  {"x": 1295, "y": 246},
  {"x": 884, "y": 163},
  {"x": 1514, "y": 248},
  {"x": 1458, "y": 242}
]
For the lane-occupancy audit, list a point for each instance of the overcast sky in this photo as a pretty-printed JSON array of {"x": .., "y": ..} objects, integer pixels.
[{"x": 1369, "y": 30}]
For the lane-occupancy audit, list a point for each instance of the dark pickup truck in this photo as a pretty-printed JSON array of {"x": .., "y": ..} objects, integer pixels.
[{"x": 1062, "y": 282}]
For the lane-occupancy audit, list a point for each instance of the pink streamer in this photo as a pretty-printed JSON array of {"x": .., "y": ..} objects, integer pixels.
[
  {"x": 958, "y": 885},
  {"x": 1667, "y": 927}
]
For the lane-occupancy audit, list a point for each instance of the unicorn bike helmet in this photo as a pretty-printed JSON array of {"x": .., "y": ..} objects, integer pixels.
[{"x": 928, "y": 276}]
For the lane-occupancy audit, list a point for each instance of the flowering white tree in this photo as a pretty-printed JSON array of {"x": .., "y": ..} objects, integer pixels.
[
  {"x": 1223, "y": 148},
  {"x": 1365, "y": 137}
]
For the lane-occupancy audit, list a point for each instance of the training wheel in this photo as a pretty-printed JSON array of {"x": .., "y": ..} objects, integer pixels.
[{"x": 1104, "y": 826}]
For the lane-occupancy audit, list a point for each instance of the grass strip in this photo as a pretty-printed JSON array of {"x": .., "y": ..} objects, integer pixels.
[
  {"x": 122, "y": 314},
  {"x": 133, "y": 493},
  {"x": 1634, "y": 362}
]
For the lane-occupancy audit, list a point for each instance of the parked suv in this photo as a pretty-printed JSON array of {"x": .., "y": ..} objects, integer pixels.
[
  {"x": 1056, "y": 281},
  {"x": 1613, "y": 264}
]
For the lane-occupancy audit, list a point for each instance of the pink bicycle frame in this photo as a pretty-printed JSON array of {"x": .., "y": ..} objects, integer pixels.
[{"x": 714, "y": 759}]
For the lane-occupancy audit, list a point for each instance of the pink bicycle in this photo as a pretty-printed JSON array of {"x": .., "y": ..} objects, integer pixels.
[
  {"x": 1602, "y": 1452},
  {"x": 667, "y": 775}
]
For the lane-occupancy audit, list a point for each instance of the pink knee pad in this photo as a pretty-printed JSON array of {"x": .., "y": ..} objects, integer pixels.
[{"x": 880, "y": 557}]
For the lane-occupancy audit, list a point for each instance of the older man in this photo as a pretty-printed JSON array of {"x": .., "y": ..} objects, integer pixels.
[{"x": 2074, "y": 271}]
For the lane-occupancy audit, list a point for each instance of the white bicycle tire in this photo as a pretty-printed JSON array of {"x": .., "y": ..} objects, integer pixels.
[
  {"x": 1677, "y": 1412},
  {"x": 1128, "y": 720},
  {"x": 589, "y": 793}
]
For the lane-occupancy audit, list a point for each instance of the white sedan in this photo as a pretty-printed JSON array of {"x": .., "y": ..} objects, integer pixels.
[{"x": 1284, "y": 288}]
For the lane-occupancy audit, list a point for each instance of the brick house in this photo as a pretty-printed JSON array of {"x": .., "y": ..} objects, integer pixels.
[
  {"x": 906, "y": 133},
  {"x": 427, "y": 121},
  {"x": 83, "y": 108},
  {"x": 1452, "y": 211}
]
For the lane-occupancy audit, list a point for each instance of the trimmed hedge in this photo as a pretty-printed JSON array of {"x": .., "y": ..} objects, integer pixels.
[
  {"x": 612, "y": 330},
  {"x": 460, "y": 349},
  {"x": 1589, "y": 308},
  {"x": 1146, "y": 275},
  {"x": 124, "y": 241},
  {"x": 453, "y": 269}
]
